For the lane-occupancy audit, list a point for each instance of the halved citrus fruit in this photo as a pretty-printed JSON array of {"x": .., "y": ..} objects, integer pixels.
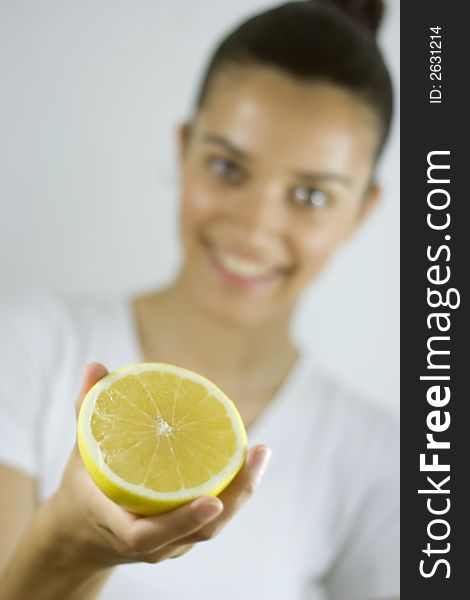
[{"x": 154, "y": 436}]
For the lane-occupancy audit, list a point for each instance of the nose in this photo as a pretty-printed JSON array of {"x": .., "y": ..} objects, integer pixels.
[{"x": 260, "y": 209}]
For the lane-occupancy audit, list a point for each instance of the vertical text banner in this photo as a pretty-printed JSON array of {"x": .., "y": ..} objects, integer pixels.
[{"x": 435, "y": 270}]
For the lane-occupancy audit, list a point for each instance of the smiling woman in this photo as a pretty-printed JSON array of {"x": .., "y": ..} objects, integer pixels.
[
  {"x": 265, "y": 207},
  {"x": 277, "y": 170}
]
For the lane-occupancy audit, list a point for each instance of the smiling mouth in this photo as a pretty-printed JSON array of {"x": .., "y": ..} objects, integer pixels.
[{"x": 243, "y": 272}]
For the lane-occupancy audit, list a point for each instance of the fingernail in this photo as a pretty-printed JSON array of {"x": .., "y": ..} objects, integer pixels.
[
  {"x": 260, "y": 462},
  {"x": 208, "y": 510}
]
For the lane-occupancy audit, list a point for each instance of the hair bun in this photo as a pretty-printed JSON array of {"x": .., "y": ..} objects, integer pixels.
[{"x": 367, "y": 12}]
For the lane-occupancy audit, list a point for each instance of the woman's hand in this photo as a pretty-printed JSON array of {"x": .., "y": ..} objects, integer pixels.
[
  {"x": 98, "y": 533},
  {"x": 78, "y": 534}
]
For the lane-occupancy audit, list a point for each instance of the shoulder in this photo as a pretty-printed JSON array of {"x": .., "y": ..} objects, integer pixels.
[
  {"x": 28, "y": 308},
  {"x": 45, "y": 323},
  {"x": 357, "y": 437},
  {"x": 31, "y": 321},
  {"x": 31, "y": 352},
  {"x": 352, "y": 413},
  {"x": 33, "y": 307}
]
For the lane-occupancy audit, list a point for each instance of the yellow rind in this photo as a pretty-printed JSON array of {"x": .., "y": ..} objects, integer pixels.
[{"x": 133, "y": 502}]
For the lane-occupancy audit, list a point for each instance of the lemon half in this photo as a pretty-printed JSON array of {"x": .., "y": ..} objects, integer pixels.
[{"x": 154, "y": 436}]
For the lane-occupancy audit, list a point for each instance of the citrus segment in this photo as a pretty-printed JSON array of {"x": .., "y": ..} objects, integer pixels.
[{"x": 154, "y": 436}]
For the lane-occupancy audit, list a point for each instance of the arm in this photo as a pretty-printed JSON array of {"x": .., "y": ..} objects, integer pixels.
[
  {"x": 42, "y": 565},
  {"x": 17, "y": 505},
  {"x": 77, "y": 536}
]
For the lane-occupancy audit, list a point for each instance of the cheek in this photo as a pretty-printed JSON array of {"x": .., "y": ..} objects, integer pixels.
[
  {"x": 196, "y": 207},
  {"x": 315, "y": 245}
]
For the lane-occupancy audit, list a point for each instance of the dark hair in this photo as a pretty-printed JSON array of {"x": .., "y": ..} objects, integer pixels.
[{"x": 327, "y": 40}]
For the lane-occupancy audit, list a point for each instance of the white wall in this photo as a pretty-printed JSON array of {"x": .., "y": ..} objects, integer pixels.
[{"x": 91, "y": 92}]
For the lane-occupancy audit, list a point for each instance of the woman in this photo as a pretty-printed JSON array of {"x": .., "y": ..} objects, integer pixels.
[{"x": 277, "y": 170}]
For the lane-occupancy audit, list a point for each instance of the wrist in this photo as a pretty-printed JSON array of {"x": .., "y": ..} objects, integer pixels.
[
  {"x": 50, "y": 563},
  {"x": 64, "y": 541}
]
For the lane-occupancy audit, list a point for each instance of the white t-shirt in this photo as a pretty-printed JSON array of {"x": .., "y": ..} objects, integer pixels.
[{"x": 324, "y": 523}]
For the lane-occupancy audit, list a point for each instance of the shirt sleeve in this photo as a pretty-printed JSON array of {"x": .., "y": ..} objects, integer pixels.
[
  {"x": 27, "y": 344},
  {"x": 367, "y": 565}
]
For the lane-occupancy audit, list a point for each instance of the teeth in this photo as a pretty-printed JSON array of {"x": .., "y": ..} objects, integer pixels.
[{"x": 242, "y": 267}]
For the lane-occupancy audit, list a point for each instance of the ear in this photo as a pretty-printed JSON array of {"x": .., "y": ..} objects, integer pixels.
[
  {"x": 369, "y": 202},
  {"x": 371, "y": 199},
  {"x": 184, "y": 133}
]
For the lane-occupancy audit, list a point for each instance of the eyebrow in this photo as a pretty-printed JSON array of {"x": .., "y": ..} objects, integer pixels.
[
  {"x": 219, "y": 140},
  {"x": 305, "y": 176},
  {"x": 324, "y": 176}
]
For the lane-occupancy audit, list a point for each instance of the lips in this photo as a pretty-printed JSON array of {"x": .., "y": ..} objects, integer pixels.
[
  {"x": 242, "y": 271},
  {"x": 242, "y": 267}
]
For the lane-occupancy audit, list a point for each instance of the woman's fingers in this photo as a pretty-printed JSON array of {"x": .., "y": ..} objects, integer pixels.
[
  {"x": 181, "y": 550},
  {"x": 197, "y": 521},
  {"x": 142, "y": 535},
  {"x": 92, "y": 373},
  {"x": 166, "y": 553},
  {"x": 236, "y": 495},
  {"x": 173, "y": 533}
]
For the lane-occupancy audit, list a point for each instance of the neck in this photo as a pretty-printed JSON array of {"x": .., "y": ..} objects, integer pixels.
[{"x": 175, "y": 329}]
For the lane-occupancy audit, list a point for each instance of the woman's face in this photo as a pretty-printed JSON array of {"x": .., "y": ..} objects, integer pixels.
[{"x": 276, "y": 174}]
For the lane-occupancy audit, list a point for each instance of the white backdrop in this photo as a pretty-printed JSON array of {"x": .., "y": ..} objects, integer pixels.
[{"x": 91, "y": 93}]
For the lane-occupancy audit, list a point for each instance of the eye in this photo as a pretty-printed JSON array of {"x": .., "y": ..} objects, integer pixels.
[
  {"x": 307, "y": 196},
  {"x": 224, "y": 168}
]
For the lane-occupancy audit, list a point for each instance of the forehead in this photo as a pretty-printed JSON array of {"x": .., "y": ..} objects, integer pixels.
[{"x": 269, "y": 114}]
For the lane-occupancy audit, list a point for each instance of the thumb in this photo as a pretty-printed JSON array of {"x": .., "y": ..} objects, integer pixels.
[{"x": 92, "y": 373}]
